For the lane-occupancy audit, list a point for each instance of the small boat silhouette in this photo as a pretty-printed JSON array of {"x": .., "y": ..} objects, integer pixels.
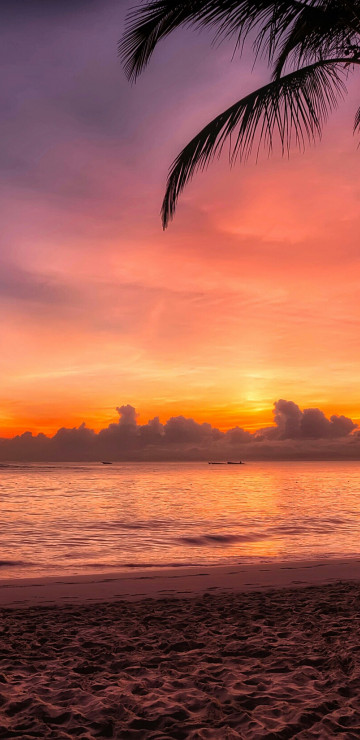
[
  {"x": 229, "y": 462},
  {"x": 106, "y": 462}
]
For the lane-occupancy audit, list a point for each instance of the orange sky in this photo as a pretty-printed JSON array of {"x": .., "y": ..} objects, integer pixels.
[{"x": 253, "y": 292}]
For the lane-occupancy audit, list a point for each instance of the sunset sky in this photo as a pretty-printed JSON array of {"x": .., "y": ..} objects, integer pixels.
[{"x": 251, "y": 295}]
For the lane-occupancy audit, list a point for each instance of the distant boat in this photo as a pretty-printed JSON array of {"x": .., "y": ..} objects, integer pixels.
[
  {"x": 217, "y": 463},
  {"x": 106, "y": 462},
  {"x": 235, "y": 463}
]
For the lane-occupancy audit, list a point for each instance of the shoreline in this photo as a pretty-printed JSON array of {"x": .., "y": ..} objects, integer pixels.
[{"x": 176, "y": 582}]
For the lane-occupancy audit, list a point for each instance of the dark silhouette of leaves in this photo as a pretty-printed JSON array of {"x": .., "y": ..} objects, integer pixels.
[
  {"x": 318, "y": 39},
  {"x": 294, "y": 107}
]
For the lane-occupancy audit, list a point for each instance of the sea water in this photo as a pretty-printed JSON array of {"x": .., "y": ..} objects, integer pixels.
[{"x": 76, "y": 518}]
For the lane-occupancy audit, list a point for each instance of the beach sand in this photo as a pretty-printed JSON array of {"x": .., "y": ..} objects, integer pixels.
[{"x": 219, "y": 662}]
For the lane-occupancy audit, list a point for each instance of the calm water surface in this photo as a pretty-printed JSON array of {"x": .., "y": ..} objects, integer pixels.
[{"x": 78, "y": 518}]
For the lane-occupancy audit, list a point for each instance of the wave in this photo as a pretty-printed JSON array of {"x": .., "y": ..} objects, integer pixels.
[
  {"x": 221, "y": 539},
  {"x": 119, "y": 524},
  {"x": 53, "y": 467},
  {"x": 142, "y": 566},
  {"x": 14, "y": 563}
]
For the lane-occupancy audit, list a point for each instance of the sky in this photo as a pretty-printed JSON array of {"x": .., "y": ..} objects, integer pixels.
[{"x": 250, "y": 296}]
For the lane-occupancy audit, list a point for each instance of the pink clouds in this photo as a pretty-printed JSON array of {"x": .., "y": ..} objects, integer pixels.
[
  {"x": 296, "y": 434},
  {"x": 292, "y": 423}
]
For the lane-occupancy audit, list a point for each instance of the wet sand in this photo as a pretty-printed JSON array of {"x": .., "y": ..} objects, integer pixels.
[
  {"x": 136, "y": 584},
  {"x": 270, "y": 663}
]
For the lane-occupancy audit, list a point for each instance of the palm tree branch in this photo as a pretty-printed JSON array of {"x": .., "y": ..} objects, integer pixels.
[
  {"x": 295, "y": 105},
  {"x": 148, "y": 24},
  {"x": 319, "y": 32},
  {"x": 357, "y": 121}
]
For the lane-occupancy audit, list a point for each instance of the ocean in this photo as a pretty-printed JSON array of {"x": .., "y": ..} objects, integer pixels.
[{"x": 76, "y": 518}]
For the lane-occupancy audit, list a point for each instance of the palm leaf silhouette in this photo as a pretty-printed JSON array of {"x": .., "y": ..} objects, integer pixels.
[
  {"x": 148, "y": 24},
  {"x": 319, "y": 39},
  {"x": 318, "y": 32},
  {"x": 295, "y": 107},
  {"x": 357, "y": 120}
]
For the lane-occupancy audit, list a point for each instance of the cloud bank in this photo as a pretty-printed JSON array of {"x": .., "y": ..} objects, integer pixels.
[{"x": 296, "y": 435}]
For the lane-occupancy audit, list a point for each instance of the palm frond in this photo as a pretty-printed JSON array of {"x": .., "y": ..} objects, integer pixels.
[
  {"x": 318, "y": 32},
  {"x": 357, "y": 121},
  {"x": 293, "y": 107},
  {"x": 273, "y": 28},
  {"x": 148, "y": 24}
]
